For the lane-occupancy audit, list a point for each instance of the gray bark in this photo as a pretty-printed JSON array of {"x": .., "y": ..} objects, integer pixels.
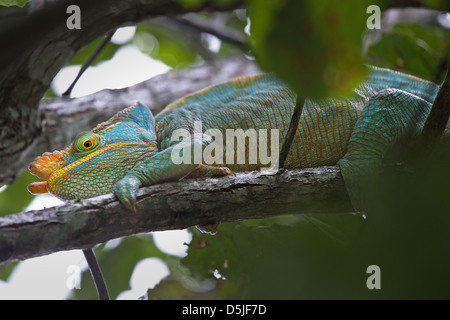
[{"x": 174, "y": 205}]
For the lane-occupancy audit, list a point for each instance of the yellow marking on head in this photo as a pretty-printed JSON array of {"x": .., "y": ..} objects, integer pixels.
[{"x": 58, "y": 173}]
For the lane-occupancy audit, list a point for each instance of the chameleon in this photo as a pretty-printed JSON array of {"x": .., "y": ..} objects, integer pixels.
[{"x": 134, "y": 148}]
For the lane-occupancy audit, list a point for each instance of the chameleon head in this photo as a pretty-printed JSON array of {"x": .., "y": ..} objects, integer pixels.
[
  {"x": 43, "y": 167},
  {"x": 97, "y": 159}
]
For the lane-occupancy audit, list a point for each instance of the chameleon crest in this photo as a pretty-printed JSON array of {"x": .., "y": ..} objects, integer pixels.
[{"x": 71, "y": 174}]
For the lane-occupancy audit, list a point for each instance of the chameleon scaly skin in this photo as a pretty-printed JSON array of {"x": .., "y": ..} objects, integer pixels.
[{"x": 133, "y": 149}]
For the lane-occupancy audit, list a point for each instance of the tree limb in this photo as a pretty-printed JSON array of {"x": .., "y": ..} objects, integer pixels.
[{"x": 174, "y": 205}]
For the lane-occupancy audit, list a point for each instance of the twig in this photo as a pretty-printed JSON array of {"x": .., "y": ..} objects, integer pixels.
[
  {"x": 188, "y": 35},
  {"x": 291, "y": 131},
  {"x": 438, "y": 118},
  {"x": 224, "y": 33},
  {"x": 89, "y": 62},
  {"x": 96, "y": 273}
]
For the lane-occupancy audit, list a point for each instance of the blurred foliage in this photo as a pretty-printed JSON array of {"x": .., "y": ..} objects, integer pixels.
[
  {"x": 415, "y": 49},
  {"x": 83, "y": 55},
  {"x": 442, "y": 5},
  {"x": 10, "y": 3},
  {"x": 326, "y": 256},
  {"x": 16, "y": 197},
  {"x": 314, "y": 45},
  {"x": 6, "y": 270},
  {"x": 170, "y": 41},
  {"x": 194, "y": 4},
  {"x": 165, "y": 44}
]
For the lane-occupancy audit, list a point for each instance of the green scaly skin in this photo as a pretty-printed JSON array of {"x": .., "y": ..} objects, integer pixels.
[{"x": 133, "y": 148}]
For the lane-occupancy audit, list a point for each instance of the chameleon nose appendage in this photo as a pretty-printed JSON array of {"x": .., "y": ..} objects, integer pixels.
[
  {"x": 43, "y": 167},
  {"x": 38, "y": 187}
]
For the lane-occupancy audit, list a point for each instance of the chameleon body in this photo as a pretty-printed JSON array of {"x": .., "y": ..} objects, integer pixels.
[{"x": 135, "y": 149}]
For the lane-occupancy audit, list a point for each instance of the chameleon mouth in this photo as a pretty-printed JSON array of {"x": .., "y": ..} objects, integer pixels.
[{"x": 43, "y": 167}]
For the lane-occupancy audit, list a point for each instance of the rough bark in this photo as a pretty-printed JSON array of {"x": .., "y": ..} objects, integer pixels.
[
  {"x": 175, "y": 205},
  {"x": 39, "y": 44}
]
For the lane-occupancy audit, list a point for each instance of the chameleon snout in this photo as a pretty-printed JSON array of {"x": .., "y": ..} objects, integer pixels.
[
  {"x": 43, "y": 167},
  {"x": 38, "y": 187}
]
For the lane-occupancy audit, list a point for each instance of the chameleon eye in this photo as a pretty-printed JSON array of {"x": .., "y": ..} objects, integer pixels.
[{"x": 86, "y": 142}]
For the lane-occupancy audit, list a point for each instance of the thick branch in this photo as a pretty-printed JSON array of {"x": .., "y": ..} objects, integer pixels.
[{"x": 175, "y": 205}]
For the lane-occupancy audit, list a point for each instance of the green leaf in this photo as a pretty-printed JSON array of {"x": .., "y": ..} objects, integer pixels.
[
  {"x": 183, "y": 289},
  {"x": 16, "y": 196},
  {"x": 442, "y": 5},
  {"x": 314, "y": 45},
  {"x": 163, "y": 44},
  {"x": 83, "y": 55},
  {"x": 192, "y": 4},
  {"x": 326, "y": 256},
  {"x": 274, "y": 261},
  {"x": 7, "y": 269},
  {"x": 412, "y": 48},
  {"x": 10, "y": 3},
  {"x": 195, "y": 4}
]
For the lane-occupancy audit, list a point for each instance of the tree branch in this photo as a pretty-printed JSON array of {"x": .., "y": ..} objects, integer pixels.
[{"x": 174, "y": 205}]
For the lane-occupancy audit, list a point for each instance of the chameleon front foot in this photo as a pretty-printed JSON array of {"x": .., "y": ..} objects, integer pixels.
[{"x": 126, "y": 189}]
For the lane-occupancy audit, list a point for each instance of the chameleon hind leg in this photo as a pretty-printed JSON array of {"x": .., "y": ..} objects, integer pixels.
[{"x": 390, "y": 116}]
